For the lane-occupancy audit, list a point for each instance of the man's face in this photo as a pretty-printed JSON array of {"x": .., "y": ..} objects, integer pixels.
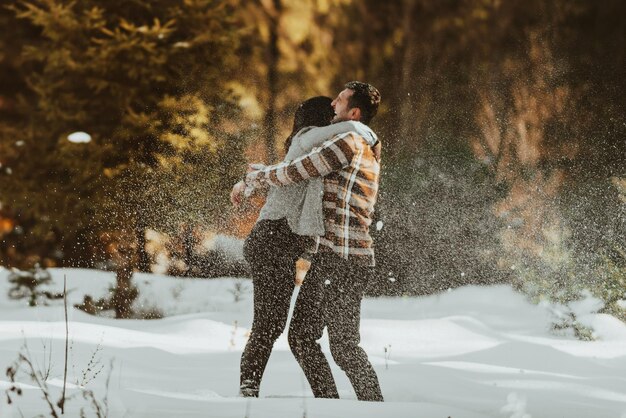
[{"x": 342, "y": 109}]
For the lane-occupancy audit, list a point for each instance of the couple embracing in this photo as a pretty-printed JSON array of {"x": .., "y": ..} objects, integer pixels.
[{"x": 319, "y": 207}]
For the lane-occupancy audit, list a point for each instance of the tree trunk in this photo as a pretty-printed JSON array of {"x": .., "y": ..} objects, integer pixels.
[
  {"x": 273, "y": 56},
  {"x": 143, "y": 263},
  {"x": 408, "y": 100},
  {"x": 188, "y": 244},
  {"x": 403, "y": 73},
  {"x": 124, "y": 293}
]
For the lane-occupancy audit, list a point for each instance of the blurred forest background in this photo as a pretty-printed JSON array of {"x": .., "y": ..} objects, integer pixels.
[{"x": 503, "y": 128}]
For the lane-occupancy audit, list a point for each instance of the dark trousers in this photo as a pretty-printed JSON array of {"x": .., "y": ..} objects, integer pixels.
[
  {"x": 271, "y": 251},
  {"x": 331, "y": 297}
]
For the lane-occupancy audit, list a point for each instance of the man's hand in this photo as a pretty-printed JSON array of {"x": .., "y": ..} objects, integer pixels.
[
  {"x": 255, "y": 167},
  {"x": 236, "y": 194}
]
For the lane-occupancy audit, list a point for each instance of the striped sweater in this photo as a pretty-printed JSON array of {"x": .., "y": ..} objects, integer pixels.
[{"x": 350, "y": 167}]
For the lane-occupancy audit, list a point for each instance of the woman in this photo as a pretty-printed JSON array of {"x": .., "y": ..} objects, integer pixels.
[
  {"x": 290, "y": 216},
  {"x": 271, "y": 251}
]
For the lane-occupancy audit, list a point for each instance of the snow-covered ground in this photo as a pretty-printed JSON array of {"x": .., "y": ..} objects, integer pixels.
[{"x": 471, "y": 352}]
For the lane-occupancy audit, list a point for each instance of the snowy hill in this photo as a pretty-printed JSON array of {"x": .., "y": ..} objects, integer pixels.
[{"x": 471, "y": 352}]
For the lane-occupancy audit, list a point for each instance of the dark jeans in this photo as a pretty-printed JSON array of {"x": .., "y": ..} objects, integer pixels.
[
  {"x": 331, "y": 296},
  {"x": 271, "y": 251}
]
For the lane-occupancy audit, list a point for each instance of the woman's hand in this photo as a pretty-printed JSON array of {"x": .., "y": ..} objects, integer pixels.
[{"x": 237, "y": 193}]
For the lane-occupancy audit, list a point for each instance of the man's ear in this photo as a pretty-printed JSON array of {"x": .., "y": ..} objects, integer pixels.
[{"x": 355, "y": 113}]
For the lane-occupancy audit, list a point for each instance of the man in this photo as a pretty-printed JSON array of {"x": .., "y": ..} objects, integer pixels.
[{"x": 332, "y": 292}]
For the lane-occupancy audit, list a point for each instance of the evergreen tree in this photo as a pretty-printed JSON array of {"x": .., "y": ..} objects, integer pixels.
[{"x": 148, "y": 82}]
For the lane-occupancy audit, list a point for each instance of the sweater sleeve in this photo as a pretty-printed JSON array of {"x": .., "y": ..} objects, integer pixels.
[{"x": 333, "y": 155}]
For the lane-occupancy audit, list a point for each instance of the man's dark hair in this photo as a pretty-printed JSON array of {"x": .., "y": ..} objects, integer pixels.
[{"x": 366, "y": 97}]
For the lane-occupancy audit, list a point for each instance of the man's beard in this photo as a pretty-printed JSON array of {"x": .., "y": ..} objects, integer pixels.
[{"x": 338, "y": 119}]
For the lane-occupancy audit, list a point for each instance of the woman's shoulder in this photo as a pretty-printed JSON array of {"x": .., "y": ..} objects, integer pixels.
[
  {"x": 360, "y": 128},
  {"x": 327, "y": 132},
  {"x": 314, "y": 136}
]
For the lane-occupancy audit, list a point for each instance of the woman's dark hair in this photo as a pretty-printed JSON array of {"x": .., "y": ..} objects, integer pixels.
[{"x": 315, "y": 111}]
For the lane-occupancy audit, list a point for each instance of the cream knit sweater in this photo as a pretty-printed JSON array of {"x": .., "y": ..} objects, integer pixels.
[{"x": 301, "y": 204}]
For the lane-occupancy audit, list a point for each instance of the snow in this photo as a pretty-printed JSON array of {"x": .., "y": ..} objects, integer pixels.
[
  {"x": 470, "y": 352},
  {"x": 79, "y": 137}
]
